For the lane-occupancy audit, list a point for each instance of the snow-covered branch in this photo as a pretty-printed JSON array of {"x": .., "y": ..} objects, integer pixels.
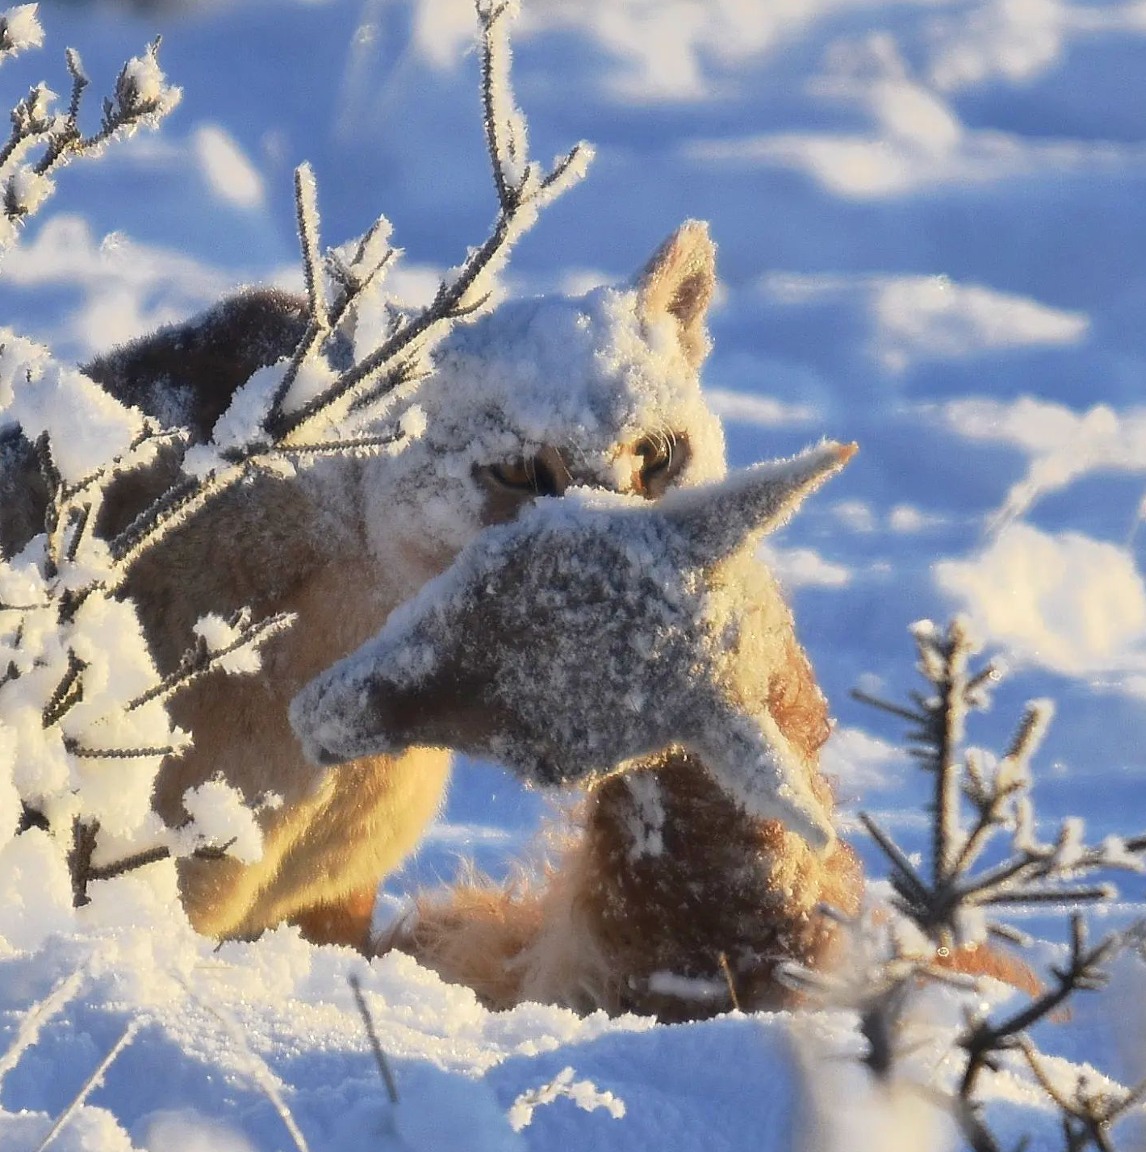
[
  {"x": 522, "y": 193},
  {"x": 950, "y": 905},
  {"x": 312, "y": 402},
  {"x": 43, "y": 139},
  {"x": 84, "y": 726}
]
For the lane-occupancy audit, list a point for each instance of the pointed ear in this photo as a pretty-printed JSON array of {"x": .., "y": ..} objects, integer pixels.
[
  {"x": 679, "y": 282},
  {"x": 718, "y": 519}
]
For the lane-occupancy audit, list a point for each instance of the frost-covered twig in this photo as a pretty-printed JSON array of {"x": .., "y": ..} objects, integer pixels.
[
  {"x": 584, "y": 1093},
  {"x": 85, "y": 834},
  {"x": 522, "y": 193},
  {"x": 318, "y": 328},
  {"x": 90, "y": 1085},
  {"x": 1083, "y": 972},
  {"x": 39, "y": 1015},
  {"x": 375, "y": 1044},
  {"x": 949, "y": 905},
  {"x": 1089, "y": 1114},
  {"x": 880, "y": 985},
  {"x": 103, "y": 729},
  {"x": 263, "y": 1077},
  {"x": 311, "y": 409},
  {"x": 1086, "y": 1116},
  {"x": 877, "y": 982},
  {"x": 219, "y": 644},
  {"x": 99, "y": 723},
  {"x": 83, "y": 871},
  {"x": 19, "y": 30},
  {"x": 141, "y": 97}
]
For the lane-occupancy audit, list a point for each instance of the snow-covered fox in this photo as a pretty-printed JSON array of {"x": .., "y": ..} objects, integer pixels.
[
  {"x": 641, "y": 651},
  {"x": 540, "y": 395}
]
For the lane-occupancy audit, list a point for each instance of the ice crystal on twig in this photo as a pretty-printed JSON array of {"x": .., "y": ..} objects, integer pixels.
[
  {"x": 314, "y": 408},
  {"x": 951, "y": 903}
]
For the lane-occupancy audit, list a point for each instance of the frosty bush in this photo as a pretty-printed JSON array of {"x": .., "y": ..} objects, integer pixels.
[
  {"x": 952, "y": 910},
  {"x": 84, "y": 726}
]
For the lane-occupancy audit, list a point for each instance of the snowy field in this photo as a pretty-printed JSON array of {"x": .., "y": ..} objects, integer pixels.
[{"x": 929, "y": 217}]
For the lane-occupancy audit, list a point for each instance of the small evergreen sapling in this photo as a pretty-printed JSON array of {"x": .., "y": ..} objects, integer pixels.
[{"x": 955, "y": 903}]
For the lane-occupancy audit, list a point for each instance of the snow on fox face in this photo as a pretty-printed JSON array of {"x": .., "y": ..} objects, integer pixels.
[
  {"x": 592, "y": 630},
  {"x": 546, "y": 394}
]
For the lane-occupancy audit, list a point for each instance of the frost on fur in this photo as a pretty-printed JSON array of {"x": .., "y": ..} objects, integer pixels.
[{"x": 616, "y": 600}]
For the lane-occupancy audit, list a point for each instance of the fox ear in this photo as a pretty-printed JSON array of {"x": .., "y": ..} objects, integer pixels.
[{"x": 679, "y": 282}]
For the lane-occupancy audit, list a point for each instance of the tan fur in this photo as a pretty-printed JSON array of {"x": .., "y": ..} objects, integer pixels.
[
  {"x": 332, "y": 838},
  {"x": 300, "y": 545}
]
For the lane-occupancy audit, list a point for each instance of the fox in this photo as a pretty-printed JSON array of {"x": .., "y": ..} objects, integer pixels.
[
  {"x": 664, "y": 676},
  {"x": 533, "y": 399}
]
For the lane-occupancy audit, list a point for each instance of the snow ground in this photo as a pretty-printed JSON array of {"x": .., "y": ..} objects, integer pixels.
[
  {"x": 929, "y": 218},
  {"x": 233, "y": 1047}
]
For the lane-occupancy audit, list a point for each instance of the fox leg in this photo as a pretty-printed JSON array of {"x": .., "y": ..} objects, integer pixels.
[{"x": 324, "y": 856}]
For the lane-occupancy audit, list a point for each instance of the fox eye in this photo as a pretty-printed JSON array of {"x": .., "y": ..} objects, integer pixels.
[
  {"x": 656, "y": 456},
  {"x": 661, "y": 456},
  {"x": 526, "y": 475}
]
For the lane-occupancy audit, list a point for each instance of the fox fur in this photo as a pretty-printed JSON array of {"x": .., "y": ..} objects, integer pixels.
[
  {"x": 684, "y": 927},
  {"x": 347, "y": 540},
  {"x": 681, "y": 932},
  {"x": 671, "y": 893}
]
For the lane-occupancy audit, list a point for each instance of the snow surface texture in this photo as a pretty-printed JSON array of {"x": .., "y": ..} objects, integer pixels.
[
  {"x": 231, "y": 1048},
  {"x": 591, "y": 630}
]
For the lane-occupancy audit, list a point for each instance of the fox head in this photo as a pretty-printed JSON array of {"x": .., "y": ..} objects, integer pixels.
[
  {"x": 545, "y": 394},
  {"x": 592, "y": 630}
]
